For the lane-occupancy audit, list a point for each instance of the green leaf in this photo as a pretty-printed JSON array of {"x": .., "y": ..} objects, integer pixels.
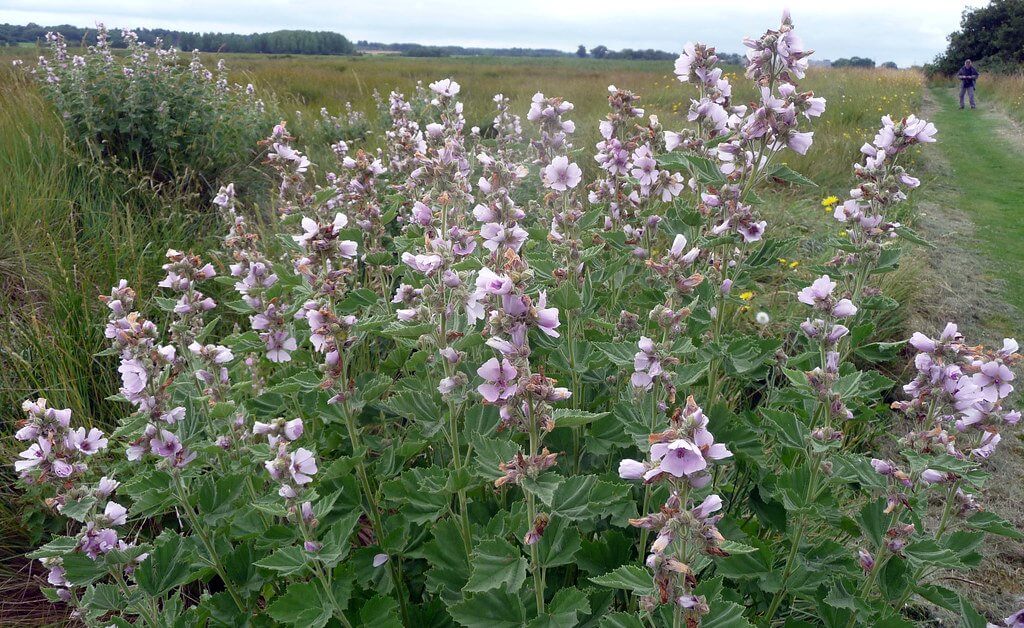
[
  {"x": 929, "y": 553},
  {"x": 150, "y": 493},
  {"x": 169, "y": 565},
  {"x": 787, "y": 174},
  {"x": 628, "y": 577},
  {"x": 563, "y": 610},
  {"x": 422, "y": 492},
  {"x": 79, "y": 510},
  {"x": 496, "y": 563},
  {"x": 286, "y": 560},
  {"x": 703, "y": 168},
  {"x": 734, "y": 548},
  {"x": 610, "y": 550},
  {"x": 493, "y": 609},
  {"x": 565, "y": 417},
  {"x": 969, "y": 617},
  {"x": 559, "y": 544},
  {"x": 335, "y": 539},
  {"x": 724, "y": 615},
  {"x": 79, "y": 569},
  {"x": 788, "y": 429},
  {"x": 620, "y": 353},
  {"x": 940, "y": 596},
  {"x": 994, "y": 524},
  {"x": 108, "y": 597},
  {"x": 57, "y": 547},
  {"x": 488, "y": 453},
  {"x": 543, "y": 486},
  {"x": 621, "y": 620},
  {"x": 910, "y": 235},
  {"x": 380, "y": 612},
  {"x": 572, "y": 497},
  {"x": 873, "y": 521},
  {"x": 446, "y": 555},
  {"x": 303, "y": 604}
]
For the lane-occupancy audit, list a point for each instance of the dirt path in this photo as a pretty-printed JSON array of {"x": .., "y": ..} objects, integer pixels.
[{"x": 972, "y": 210}]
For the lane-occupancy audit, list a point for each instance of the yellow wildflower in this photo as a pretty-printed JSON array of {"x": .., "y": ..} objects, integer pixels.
[
  {"x": 746, "y": 296},
  {"x": 794, "y": 264},
  {"x": 829, "y": 201}
]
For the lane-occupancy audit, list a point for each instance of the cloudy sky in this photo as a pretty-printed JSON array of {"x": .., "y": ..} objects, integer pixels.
[{"x": 905, "y": 31}]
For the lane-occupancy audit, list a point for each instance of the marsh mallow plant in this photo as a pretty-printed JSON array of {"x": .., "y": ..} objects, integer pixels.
[
  {"x": 454, "y": 381},
  {"x": 150, "y": 112}
]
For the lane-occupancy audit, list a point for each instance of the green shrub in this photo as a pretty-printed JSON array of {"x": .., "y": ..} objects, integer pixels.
[{"x": 148, "y": 113}]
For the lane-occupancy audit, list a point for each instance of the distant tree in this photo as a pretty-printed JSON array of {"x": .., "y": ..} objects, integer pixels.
[
  {"x": 890, "y": 65},
  {"x": 581, "y": 52},
  {"x": 992, "y": 36},
  {"x": 599, "y": 52},
  {"x": 417, "y": 50},
  {"x": 277, "y": 42},
  {"x": 853, "y": 62}
]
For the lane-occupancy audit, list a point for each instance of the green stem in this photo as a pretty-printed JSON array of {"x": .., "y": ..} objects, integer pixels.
[
  {"x": 211, "y": 549},
  {"x": 151, "y": 619},
  {"x": 372, "y": 508},
  {"x": 531, "y": 515}
]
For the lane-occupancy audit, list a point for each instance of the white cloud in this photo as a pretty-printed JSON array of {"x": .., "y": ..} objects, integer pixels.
[{"x": 908, "y": 31}]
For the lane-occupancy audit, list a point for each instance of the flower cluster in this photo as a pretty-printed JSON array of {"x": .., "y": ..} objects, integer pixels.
[{"x": 680, "y": 456}]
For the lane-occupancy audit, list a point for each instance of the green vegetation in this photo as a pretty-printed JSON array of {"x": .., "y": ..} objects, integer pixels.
[
  {"x": 990, "y": 181},
  {"x": 991, "y": 35},
  {"x": 276, "y": 42}
]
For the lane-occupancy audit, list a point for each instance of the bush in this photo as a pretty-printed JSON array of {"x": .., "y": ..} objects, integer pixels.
[
  {"x": 149, "y": 113},
  {"x": 424, "y": 402}
]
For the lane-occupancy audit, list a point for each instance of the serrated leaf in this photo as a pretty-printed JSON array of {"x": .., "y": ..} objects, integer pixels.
[
  {"x": 286, "y": 560},
  {"x": 493, "y": 609},
  {"x": 628, "y": 577},
  {"x": 994, "y": 524},
  {"x": 303, "y": 604},
  {"x": 787, "y": 174},
  {"x": 169, "y": 565},
  {"x": 566, "y": 417},
  {"x": 496, "y": 563}
]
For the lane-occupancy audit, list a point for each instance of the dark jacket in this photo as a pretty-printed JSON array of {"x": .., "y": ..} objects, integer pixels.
[{"x": 967, "y": 76}]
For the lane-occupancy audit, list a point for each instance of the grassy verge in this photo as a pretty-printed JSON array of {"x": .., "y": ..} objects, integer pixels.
[{"x": 990, "y": 188}]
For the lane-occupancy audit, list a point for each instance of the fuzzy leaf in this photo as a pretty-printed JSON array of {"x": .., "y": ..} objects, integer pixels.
[
  {"x": 493, "y": 609},
  {"x": 496, "y": 563}
]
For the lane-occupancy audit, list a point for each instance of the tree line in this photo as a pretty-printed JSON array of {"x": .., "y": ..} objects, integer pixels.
[
  {"x": 276, "y": 42},
  {"x": 992, "y": 36}
]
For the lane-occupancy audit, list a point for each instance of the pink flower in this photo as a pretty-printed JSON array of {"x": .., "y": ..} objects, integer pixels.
[
  {"x": 301, "y": 466},
  {"x": 679, "y": 458},
  {"x": 499, "y": 378},
  {"x": 424, "y": 263},
  {"x": 116, "y": 514},
  {"x": 561, "y": 175},
  {"x": 994, "y": 381},
  {"x": 711, "y": 504},
  {"x": 547, "y": 317},
  {"x": 818, "y": 292},
  {"x": 445, "y": 87},
  {"x": 33, "y": 456},
  {"x": 844, "y": 308},
  {"x": 632, "y": 470},
  {"x": 87, "y": 442}
]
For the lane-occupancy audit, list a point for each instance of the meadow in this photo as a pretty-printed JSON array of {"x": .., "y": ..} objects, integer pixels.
[{"x": 776, "y": 396}]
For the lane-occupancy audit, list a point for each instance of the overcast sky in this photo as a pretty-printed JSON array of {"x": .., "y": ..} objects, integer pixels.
[{"x": 904, "y": 31}]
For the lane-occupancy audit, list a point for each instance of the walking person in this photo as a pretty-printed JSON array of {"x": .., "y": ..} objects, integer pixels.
[{"x": 968, "y": 74}]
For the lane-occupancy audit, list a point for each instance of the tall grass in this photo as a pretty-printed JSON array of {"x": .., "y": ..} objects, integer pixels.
[
  {"x": 1008, "y": 90},
  {"x": 69, "y": 232}
]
